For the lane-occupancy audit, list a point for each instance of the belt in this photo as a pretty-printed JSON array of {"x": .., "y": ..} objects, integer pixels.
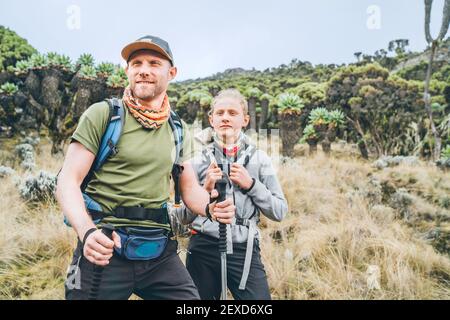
[{"x": 158, "y": 215}]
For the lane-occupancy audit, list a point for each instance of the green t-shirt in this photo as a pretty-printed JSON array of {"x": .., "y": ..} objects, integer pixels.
[{"x": 139, "y": 174}]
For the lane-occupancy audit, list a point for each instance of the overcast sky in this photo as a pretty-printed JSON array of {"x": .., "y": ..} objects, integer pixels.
[{"x": 210, "y": 36}]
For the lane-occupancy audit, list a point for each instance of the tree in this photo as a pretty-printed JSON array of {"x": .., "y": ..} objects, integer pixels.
[
  {"x": 290, "y": 108},
  {"x": 194, "y": 102},
  {"x": 13, "y": 48},
  {"x": 379, "y": 107},
  {"x": 252, "y": 94},
  {"x": 265, "y": 100},
  {"x": 434, "y": 45}
]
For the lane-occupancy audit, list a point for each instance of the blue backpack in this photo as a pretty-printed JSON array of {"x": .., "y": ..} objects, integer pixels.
[{"x": 108, "y": 148}]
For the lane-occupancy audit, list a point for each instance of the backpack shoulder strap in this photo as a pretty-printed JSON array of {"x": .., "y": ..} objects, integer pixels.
[
  {"x": 177, "y": 129},
  {"x": 249, "y": 151},
  {"x": 110, "y": 137}
]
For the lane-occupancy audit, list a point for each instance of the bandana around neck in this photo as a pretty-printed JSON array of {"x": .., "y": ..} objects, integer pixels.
[
  {"x": 147, "y": 117},
  {"x": 229, "y": 150}
]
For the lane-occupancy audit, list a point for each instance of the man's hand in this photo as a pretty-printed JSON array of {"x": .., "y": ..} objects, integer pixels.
[
  {"x": 222, "y": 212},
  {"x": 98, "y": 248},
  {"x": 240, "y": 176},
  {"x": 213, "y": 173}
]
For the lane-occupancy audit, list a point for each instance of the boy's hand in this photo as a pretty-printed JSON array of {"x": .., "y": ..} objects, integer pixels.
[
  {"x": 213, "y": 173},
  {"x": 240, "y": 176}
]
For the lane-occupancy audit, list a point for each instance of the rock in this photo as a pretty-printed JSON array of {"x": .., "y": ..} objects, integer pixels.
[{"x": 389, "y": 161}]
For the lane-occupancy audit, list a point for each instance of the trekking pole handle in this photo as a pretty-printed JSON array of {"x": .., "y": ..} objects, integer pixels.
[
  {"x": 221, "y": 187},
  {"x": 107, "y": 230}
]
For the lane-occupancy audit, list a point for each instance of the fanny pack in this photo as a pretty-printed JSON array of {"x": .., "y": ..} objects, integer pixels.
[{"x": 140, "y": 243}]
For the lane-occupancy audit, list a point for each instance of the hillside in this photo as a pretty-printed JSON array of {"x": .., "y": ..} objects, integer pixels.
[
  {"x": 369, "y": 210},
  {"x": 353, "y": 231},
  {"x": 380, "y": 97}
]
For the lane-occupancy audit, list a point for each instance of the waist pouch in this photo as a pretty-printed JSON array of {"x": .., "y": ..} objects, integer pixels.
[{"x": 141, "y": 243}]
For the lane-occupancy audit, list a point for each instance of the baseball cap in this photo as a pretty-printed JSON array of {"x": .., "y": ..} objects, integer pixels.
[{"x": 149, "y": 43}]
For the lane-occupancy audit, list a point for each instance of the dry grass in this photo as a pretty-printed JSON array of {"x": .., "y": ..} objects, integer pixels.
[
  {"x": 334, "y": 232},
  {"x": 35, "y": 245},
  {"x": 340, "y": 225}
]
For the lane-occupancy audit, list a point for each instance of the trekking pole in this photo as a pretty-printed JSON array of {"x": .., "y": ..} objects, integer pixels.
[
  {"x": 107, "y": 230},
  {"x": 221, "y": 189}
]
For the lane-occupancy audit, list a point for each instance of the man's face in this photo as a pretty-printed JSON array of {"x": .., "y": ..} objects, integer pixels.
[
  {"x": 228, "y": 119},
  {"x": 149, "y": 74}
]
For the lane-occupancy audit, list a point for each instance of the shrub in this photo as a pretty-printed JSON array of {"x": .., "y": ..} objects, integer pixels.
[
  {"x": 9, "y": 88},
  {"x": 13, "y": 48},
  {"x": 85, "y": 59},
  {"x": 26, "y": 154},
  {"x": 290, "y": 102},
  {"x": 6, "y": 171},
  {"x": 38, "y": 188},
  {"x": 105, "y": 69},
  {"x": 309, "y": 133},
  {"x": 88, "y": 72},
  {"x": 58, "y": 60}
]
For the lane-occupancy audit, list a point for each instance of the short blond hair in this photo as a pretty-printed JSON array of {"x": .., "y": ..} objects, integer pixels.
[{"x": 230, "y": 94}]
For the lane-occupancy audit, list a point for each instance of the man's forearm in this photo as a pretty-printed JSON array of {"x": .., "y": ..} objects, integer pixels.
[
  {"x": 196, "y": 198},
  {"x": 72, "y": 204}
]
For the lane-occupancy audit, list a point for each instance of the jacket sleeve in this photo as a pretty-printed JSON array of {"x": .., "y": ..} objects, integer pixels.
[
  {"x": 183, "y": 214},
  {"x": 266, "y": 193}
]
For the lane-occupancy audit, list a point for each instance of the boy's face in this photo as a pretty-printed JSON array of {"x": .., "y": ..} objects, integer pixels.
[{"x": 228, "y": 119}]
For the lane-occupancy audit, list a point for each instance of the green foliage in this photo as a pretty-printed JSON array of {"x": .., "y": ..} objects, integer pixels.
[
  {"x": 173, "y": 100},
  {"x": 443, "y": 74},
  {"x": 22, "y": 66},
  {"x": 309, "y": 133},
  {"x": 59, "y": 60},
  {"x": 13, "y": 48},
  {"x": 266, "y": 96},
  {"x": 88, "y": 71},
  {"x": 380, "y": 107},
  {"x": 85, "y": 59},
  {"x": 106, "y": 69},
  {"x": 38, "y": 61},
  {"x": 355, "y": 101},
  {"x": 288, "y": 102},
  {"x": 438, "y": 107},
  {"x": 319, "y": 116},
  {"x": 336, "y": 118},
  {"x": 8, "y": 88},
  {"x": 252, "y": 92},
  {"x": 115, "y": 81},
  {"x": 201, "y": 96},
  {"x": 205, "y": 101},
  {"x": 415, "y": 72},
  {"x": 312, "y": 93},
  {"x": 445, "y": 154}
]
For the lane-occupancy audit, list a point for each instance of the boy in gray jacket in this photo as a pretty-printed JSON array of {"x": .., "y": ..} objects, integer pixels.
[{"x": 252, "y": 183}]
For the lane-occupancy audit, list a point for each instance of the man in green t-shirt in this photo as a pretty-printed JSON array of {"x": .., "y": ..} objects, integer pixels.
[{"x": 138, "y": 176}]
